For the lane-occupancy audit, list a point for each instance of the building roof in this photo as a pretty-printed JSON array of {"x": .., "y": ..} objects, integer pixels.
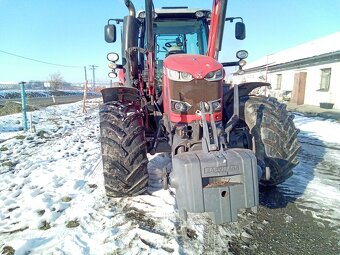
[{"x": 328, "y": 44}]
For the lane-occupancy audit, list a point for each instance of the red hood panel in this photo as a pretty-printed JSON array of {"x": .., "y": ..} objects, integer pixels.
[{"x": 197, "y": 65}]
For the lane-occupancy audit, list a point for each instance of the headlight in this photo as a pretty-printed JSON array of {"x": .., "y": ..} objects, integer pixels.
[
  {"x": 216, "y": 105},
  {"x": 242, "y": 54},
  {"x": 179, "y": 76},
  {"x": 214, "y": 76},
  {"x": 112, "y": 75},
  {"x": 178, "y": 106},
  {"x": 113, "y": 57}
]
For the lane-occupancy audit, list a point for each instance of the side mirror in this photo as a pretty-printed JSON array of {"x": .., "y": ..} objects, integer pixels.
[
  {"x": 110, "y": 33},
  {"x": 240, "y": 31}
]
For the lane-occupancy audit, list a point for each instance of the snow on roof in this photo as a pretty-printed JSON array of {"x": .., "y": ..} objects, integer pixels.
[{"x": 317, "y": 47}]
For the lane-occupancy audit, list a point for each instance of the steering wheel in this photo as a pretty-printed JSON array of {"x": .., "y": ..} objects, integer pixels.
[{"x": 173, "y": 43}]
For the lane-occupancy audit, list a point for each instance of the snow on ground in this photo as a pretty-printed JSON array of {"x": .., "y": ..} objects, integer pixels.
[
  {"x": 325, "y": 130},
  {"x": 52, "y": 198},
  {"x": 316, "y": 179}
]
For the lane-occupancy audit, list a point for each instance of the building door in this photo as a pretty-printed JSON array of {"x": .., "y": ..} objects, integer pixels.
[{"x": 298, "y": 94}]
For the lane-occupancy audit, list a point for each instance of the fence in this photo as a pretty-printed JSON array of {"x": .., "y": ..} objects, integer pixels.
[{"x": 11, "y": 100}]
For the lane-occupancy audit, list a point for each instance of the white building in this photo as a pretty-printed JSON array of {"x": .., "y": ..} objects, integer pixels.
[{"x": 310, "y": 71}]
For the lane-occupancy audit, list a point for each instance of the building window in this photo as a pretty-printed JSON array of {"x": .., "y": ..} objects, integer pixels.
[
  {"x": 278, "y": 81},
  {"x": 325, "y": 79}
]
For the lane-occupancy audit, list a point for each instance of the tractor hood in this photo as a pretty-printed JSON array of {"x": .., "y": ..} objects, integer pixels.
[{"x": 197, "y": 65}]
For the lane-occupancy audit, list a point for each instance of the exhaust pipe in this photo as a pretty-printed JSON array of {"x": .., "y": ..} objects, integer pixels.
[
  {"x": 149, "y": 25},
  {"x": 131, "y": 7}
]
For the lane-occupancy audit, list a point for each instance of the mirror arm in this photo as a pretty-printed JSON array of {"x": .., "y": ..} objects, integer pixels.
[
  {"x": 117, "y": 21},
  {"x": 235, "y": 63},
  {"x": 231, "y": 19}
]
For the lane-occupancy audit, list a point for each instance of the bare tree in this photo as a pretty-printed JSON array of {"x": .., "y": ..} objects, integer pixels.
[{"x": 56, "y": 81}]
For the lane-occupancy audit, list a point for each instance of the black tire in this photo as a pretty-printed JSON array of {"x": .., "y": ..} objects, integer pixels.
[
  {"x": 274, "y": 136},
  {"x": 124, "y": 149}
]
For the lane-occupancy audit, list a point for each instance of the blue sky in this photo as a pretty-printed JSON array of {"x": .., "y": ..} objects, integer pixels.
[{"x": 70, "y": 32}]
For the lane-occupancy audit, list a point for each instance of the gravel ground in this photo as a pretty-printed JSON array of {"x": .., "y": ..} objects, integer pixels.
[{"x": 287, "y": 230}]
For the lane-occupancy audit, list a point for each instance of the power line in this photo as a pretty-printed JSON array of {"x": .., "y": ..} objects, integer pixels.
[
  {"x": 93, "y": 68},
  {"x": 39, "y": 61}
]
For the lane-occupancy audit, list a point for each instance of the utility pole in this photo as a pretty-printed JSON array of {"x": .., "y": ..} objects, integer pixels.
[
  {"x": 85, "y": 91},
  {"x": 93, "y": 68}
]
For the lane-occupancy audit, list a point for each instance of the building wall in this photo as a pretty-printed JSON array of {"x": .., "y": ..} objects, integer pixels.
[{"x": 313, "y": 95}]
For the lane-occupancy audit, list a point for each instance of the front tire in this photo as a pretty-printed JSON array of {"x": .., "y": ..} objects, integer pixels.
[
  {"x": 274, "y": 136},
  {"x": 124, "y": 149}
]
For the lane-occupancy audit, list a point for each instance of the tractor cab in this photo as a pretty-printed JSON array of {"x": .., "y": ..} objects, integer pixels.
[{"x": 180, "y": 31}]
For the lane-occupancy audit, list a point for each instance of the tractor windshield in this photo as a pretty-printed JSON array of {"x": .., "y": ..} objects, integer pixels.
[
  {"x": 180, "y": 36},
  {"x": 172, "y": 36}
]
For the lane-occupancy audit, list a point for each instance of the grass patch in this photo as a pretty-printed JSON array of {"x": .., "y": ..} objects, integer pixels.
[
  {"x": 20, "y": 137},
  {"x": 3, "y": 149},
  {"x": 73, "y": 224},
  {"x": 66, "y": 199},
  {"x": 8, "y": 250},
  {"x": 8, "y": 164},
  {"x": 46, "y": 225},
  {"x": 13, "y": 107}
]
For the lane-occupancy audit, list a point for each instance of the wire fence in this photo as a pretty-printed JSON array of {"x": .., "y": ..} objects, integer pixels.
[{"x": 11, "y": 99}]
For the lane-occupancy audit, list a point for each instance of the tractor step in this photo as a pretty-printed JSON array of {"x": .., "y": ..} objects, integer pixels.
[{"x": 219, "y": 183}]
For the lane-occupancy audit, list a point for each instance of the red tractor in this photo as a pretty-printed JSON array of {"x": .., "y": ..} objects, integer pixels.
[{"x": 224, "y": 141}]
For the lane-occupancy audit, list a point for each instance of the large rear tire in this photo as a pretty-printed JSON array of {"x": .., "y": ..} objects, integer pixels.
[
  {"x": 274, "y": 136},
  {"x": 124, "y": 148}
]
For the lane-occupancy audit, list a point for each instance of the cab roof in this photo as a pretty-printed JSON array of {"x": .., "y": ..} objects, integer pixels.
[{"x": 178, "y": 12}]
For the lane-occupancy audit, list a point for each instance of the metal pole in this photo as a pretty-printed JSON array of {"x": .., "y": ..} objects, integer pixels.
[
  {"x": 85, "y": 91},
  {"x": 265, "y": 89},
  {"x": 23, "y": 104},
  {"x": 93, "y": 68},
  {"x": 85, "y": 73},
  {"x": 94, "y": 77}
]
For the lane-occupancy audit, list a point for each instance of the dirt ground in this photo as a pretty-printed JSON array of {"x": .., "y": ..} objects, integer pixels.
[{"x": 287, "y": 230}]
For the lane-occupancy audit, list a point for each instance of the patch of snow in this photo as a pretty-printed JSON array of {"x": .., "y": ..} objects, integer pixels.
[
  {"x": 52, "y": 196},
  {"x": 316, "y": 179}
]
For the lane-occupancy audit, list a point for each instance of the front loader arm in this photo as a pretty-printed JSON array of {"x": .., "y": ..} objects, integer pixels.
[{"x": 218, "y": 15}]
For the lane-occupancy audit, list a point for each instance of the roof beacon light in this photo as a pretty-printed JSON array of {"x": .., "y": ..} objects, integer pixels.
[{"x": 199, "y": 14}]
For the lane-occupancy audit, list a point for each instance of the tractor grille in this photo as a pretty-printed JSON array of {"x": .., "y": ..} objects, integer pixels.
[{"x": 194, "y": 92}]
